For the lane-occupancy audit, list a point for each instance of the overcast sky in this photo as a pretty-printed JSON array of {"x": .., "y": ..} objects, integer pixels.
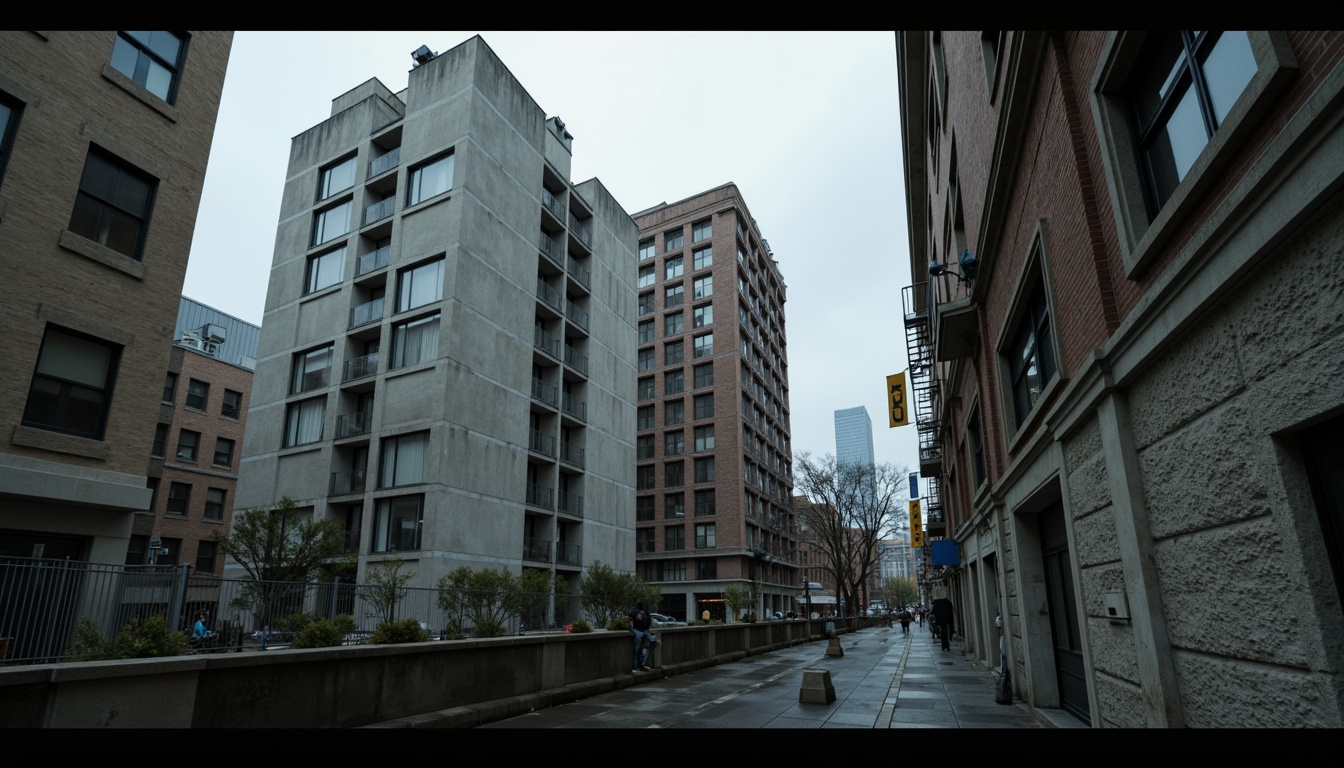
[{"x": 805, "y": 124}]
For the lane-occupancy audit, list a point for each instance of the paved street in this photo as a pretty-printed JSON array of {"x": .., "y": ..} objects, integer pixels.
[{"x": 884, "y": 680}]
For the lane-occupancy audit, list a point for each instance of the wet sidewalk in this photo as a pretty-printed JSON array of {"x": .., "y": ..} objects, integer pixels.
[{"x": 885, "y": 679}]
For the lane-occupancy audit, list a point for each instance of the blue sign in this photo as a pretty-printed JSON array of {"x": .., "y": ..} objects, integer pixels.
[
  {"x": 945, "y": 552},
  {"x": 914, "y": 485}
]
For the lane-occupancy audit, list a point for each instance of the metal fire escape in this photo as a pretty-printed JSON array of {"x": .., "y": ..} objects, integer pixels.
[{"x": 927, "y": 392}]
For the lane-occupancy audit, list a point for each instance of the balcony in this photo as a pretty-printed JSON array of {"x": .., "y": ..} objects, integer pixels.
[
  {"x": 541, "y": 442},
  {"x": 572, "y": 454},
  {"x": 537, "y": 550},
  {"x": 546, "y": 342},
  {"x": 540, "y": 496},
  {"x": 364, "y": 314},
  {"x": 577, "y": 272},
  {"x": 550, "y": 296},
  {"x": 548, "y": 200},
  {"x": 350, "y": 542},
  {"x": 345, "y": 483},
  {"x": 385, "y": 162},
  {"x": 360, "y": 368},
  {"x": 372, "y": 261},
  {"x": 546, "y": 393},
  {"x": 571, "y": 504},
  {"x": 380, "y": 210},
  {"x": 576, "y": 360},
  {"x": 574, "y": 407},
  {"x": 580, "y": 232},
  {"x": 577, "y": 316},
  {"x": 568, "y": 554},
  {"x": 351, "y": 424},
  {"x": 553, "y": 250}
]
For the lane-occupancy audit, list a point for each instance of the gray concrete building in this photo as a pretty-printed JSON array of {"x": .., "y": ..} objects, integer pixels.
[
  {"x": 447, "y": 353},
  {"x": 104, "y": 139},
  {"x": 713, "y": 418}
]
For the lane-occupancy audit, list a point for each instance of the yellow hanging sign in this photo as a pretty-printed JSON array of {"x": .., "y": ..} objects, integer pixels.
[
  {"x": 896, "y": 400},
  {"x": 916, "y": 525}
]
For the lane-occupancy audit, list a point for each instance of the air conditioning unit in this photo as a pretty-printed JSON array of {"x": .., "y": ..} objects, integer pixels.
[{"x": 192, "y": 341}]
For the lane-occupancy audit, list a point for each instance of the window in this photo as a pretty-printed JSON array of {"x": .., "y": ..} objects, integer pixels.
[
  {"x": 403, "y": 460},
  {"x": 646, "y": 359},
  {"x": 646, "y": 303},
  {"x": 703, "y": 287},
  {"x": 10, "y": 110},
  {"x": 672, "y": 352},
  {"x": 160, "y": 440},
  {"x": 151, "y": 59},
  {"x": 645, "y": 538},
  {"x": 706, "y": 569},
  {"x": 644, "y": 417},
  {"x": 704, "y": 406},
  {"x": 214, "y": 503},
  {"x": 336, "y": 178},
  {"x": 1323, "y": 456},
  {"x": 397, "y": 524},
  {"x": 646, "y": 250},
  {"x": 223, "y": 452},
  {"x": 415, "y": 341},
  {"x": 675, "y": 296},
  {"x": 173, "y": 547},
  {"x": 644, "y": 509},
  {"x": 179, "y": 497},
  {"x": 233, "y": 404},
  {"x": 646, "y": 278},
  {"x": 674, "y": 382},
  {"x": 644, "y": 447},
  {"x": 704, "y": 536},
  {"x": 420, "y": 285},
  {"x": 205, "y": 556},
  {"x": 137, "y": 549},
  {"x": 702, "y": 258},
  {"x": 113, "y": 204},
  {"x": 975, "y": 443},
  {"x": 674, "y": 474},
  {"x": 673, "y": 570},
  {"x": 672, "y": 240},
  {"x": 704, "y": 345},
  {"x": 674, "y": 324},
  {"x": 674, "y": 506},
  {"x": 170, "y": 387},
  {"x": 674, "y": 537},
  {"x": 310, "y": 370},
  {"x": 646, "y": 388},
  {"x": 704, "y": 436},
  {"x": 704, "y": 375},
  {"x": 187, "y": 443},
  {"x": 331, "y": 223},
  {"x": 644, "y": 478},
  {"x": 325, "y": 270},
  {"x": 704, "y": 502},
  {"x": 701, "y": 230},
  {"x": 673, "y": 413},
  {"x": 674, "y": 443},
  {"x": 645, "y": 331},
  {"x": 673, "y": 268},
  {"x": 430, "y": 180},
  {"x": 197, "y": 394},
  {"x": 704, "y": 470},
  {"x": 1031, "y": 359},
  {"x": 303, "y": 421},
  {"x": 702, "y": 316}
]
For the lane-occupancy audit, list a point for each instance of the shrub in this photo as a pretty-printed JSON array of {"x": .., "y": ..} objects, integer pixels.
[
  {"x": 139, "y": 639},
  {"x": 453, "y": 631},
  {"x": 404, "y": 631},
  {"x": 344, "y": 623},
  {"x": 580, "y": 626},
  {"x": 488, "y": 628},
  {"x": 619, "y": 624}
]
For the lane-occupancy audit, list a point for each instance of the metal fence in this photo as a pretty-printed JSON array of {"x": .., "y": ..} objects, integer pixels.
[{"x": 42, "y": 602}]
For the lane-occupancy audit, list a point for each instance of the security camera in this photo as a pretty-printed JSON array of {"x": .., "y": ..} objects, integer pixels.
[{"x": 936, "y": 269}]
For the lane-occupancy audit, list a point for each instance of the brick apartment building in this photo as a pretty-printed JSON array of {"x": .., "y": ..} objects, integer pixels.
[
  {"x": 1126, "y": 346},
  {"x": 713, "y": 479}
]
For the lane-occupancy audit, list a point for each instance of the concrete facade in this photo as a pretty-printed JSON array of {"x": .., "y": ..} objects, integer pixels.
[
  {"x": 101, "y": 167},
  {"x": 446, "y": 362},
  {"x": 714, "y": 477},
  {"x": 1150, "y": 506}
]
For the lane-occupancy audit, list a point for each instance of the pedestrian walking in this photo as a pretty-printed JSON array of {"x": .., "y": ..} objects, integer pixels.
[
  {"x": 905, "y": 618},
  {"x": 639, "y": 627},
  {"x": 942, "y": 613}
]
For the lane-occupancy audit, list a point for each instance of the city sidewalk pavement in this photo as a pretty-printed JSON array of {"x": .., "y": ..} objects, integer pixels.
[{"x": 885, "y": 679}]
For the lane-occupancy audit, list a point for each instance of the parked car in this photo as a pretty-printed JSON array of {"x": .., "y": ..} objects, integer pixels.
[{"x": 662, "y": 620}]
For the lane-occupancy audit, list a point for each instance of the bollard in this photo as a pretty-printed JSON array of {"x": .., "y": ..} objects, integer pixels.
[
  {"x": 817, "y": 688},
  {"x": 833, "y": 649}
]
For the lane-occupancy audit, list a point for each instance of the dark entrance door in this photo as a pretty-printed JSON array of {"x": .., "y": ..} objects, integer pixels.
[{"x": 1069, "y": 671}]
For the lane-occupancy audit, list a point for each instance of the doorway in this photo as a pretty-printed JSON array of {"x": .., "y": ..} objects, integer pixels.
[{"x": 1070, "y": 673}]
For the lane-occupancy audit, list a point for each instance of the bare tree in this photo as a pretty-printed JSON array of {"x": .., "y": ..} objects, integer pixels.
[{"x": 849, "y": 509}]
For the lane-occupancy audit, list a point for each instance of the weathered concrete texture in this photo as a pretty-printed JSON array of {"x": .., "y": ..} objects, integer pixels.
[
  {"x": 1088, "y": 488},
  {"x": 1095, "y": 538},
  {"x": 1082, "y": 445},
  {"x": 1199, "y": 371},
  {"x": 1113, "y": 650},
  {"x": 1302, "y": 287},
  {"x": 1217, "y": 579},
  {"x": 1094, "y": 582},
  {"x": 1120, "y": 702},
  {"x": 1221, "y": 692},
  {"x": 1196, "y": 478}
]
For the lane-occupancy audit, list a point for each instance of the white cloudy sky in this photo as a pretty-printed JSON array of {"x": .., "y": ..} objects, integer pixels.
[{"x": 805, "y": 123}]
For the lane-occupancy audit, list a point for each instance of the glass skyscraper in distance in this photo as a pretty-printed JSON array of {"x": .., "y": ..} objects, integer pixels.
[{"x": 854, "y": 436}]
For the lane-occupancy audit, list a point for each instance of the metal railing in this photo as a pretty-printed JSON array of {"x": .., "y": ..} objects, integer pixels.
[
  {"x": 364, "y": 314},
  {"x": 568, "y": 554},
  {"x": 545, "y": 342},
  {"x": 372, "y": 261},
  {"x": 350, "y": 424},
  {"x": 576, "y": 360},
  {"x": 380, "y": 210},
  {"x": 580, "y": 232},
  {"x": 385, "y": 162},
  {"x": 578, "y": 272},
  {"x": 572, "y": 504},
  {"x": 552, "y": 205},
  {"x": 535, "y": 549},
  {"x": 574, "y": 407},
  {"x": 350, "y": 481},
  {"x": 571, "y": 454},
  {"x": 549, "y": 295},
  {"x": 546, "y": 393},
  {"x": 360, "y": 367},
  {"x": 577, "y": 316},
  {"x": 540, "y": 496},
  {"x": 541, "y": 442},
  {"x": 553, "y": 250}
]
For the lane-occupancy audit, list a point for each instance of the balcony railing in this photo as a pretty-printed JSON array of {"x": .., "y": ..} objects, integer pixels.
[
  {"x": 578, "y": 272},
  {"x": 569, "y": 554},
  {"x": 577, "y": 316},
  {"x": 372, "y": 261},
  {"x": 536, "y": 549},
  {"x": 348, "y": 482},
  {"x": 540, "y": 496},
  {"x": 552, "y": 205},
  {"x": 549, "y": 295},
  {"x": 541, "y": 442},
  {"x": 385, "y": 162},
  {"x": 350, "y": 543},
  {"x": 579, "y": 231},
  {"x": 360, "y": 367},
  {"x": 546, "y": 342},
  {"x": 380, "y": 210},
  {"x": 576, "y": 360},
  {"x": 571, "y": 504},
  {"x": 574, "y": 407},
  {"x": 350, "y": 424},
  {"x": 571, "y": 454},
  {"x": 546, "y": 393},
  {"x": 364, "y": 314}
]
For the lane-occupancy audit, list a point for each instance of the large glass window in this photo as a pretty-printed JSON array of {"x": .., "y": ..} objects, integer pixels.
[
  {"x": 311, "y": 370},
  {"x": 704, "y": 345},
  {"x": 214, "y": 504},
  {"x": 645, "y": 478},
  {"x": 674, "y": 382},
  {"x": 430, "y": 179},
  {"x": 704, "y": 502},
  {"x": 303, "y": 421},
  {"x": 403, "y": 460},
  {"x": 673, "y": 352},
  {"x": 420, "y": 285},
  {"x": 645, "y": 331},
  {"x": 674, "y": 505},
  {"x": 702, "y": 258},
  {"x": 646, "y": 359},
  {"x": 415, "y": 341},
  {"x": 336, "y": 178},
  {"x": 160, "y": 440},
  {"x": 704, "y": 470},
  {"x": 704, "y": 375},
  {"x": 646, "y": 277},
  {"x": 706, "y": 569},
  {"x": 644, "y": 509},
  {"x": 397, "y": 524},
  {"x": 223, "y": 452},
  {"x": 187, "y": 444},
  {"x": 702, "y": 316},
  {"x": 198, "y": 392},
  {"x": 170, "y": 387},
  {"x": 703, "y": 287},
  {"x": 672, "y": 240},
  {"x": 704, "y": 406},
  {"x": 233, "y": 404},
  {"x": 1031, "y": 359},
  {"x": 113, "y": 204},
  {"x": 674, "y": 443},
  {"x": 704, "y": 536},
  {"x": 151, "y": 59},
  {"x": 701, "y": 230},
  {"x": 645, "y": 538},
  {"x": 646, "y": 388},
  {"x": 674, "y": 474},
  {"x": 704, "y": 437},
  {"x": 674, "y": 324},
  {"x": 674, "y": 412},
  {"x": 646, "y": 303},
  {"x": 674, "y": 537},
  {"x": 673, "y": 268},
  {"x": 644, "y": 447},
  {"x": 72, "y": 386},
  {"x": 644, "y": 417},
  {"x": 674, "y": 296},
  {"x": 646, "y": 250},
  {"x": 331, "y": 223},
  {"x": 325, "y": 270},
  {"x": 206, "y": 553},
  {"x": 179, "y": 499}
]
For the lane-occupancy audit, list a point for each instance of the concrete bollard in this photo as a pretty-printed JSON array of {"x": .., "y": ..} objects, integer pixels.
[
  {"x": 833, "y": 649},
  {"x": 817, "y": 688}
]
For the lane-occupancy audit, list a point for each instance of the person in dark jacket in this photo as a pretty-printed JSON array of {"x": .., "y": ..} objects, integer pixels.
[
  {"x": 942, "y": 614},
  {"x": 639, "y": 627}
]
